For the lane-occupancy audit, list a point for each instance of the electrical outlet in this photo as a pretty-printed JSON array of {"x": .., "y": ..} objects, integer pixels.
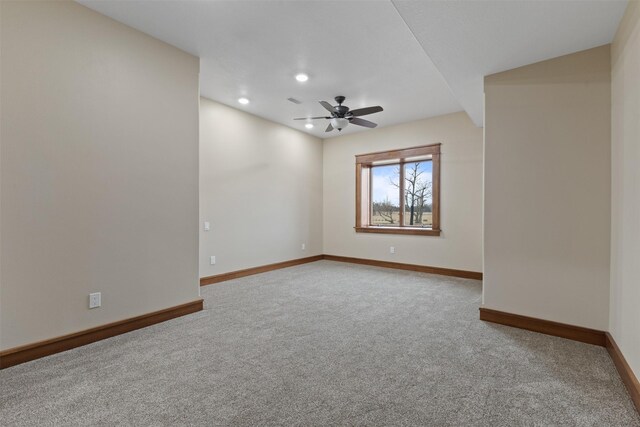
[
  {"x": 392, "y": 249},
  {"x": 304, "y": 247},
  {"x": 207, "y": 226},
  {"x": 94, "y": 300},
  {"x": 212, "y": 260}
]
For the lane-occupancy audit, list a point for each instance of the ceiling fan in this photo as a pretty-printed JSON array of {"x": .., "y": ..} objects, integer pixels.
[{"x": 341, "y": 116}]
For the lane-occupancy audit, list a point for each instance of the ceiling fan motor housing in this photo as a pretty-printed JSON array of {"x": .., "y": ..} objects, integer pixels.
[{"x": 340, "y": 109}]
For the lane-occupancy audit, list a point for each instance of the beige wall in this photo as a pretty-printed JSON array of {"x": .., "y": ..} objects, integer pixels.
[
  {"x": 99, "y": 171},
  {"x": 547, "y": 189},
  {"x": 460, "y": 245},
  {"x": 260, "y": 189},
  {"x": 1, "y": 98},
  {"x": 625, "y": 210}
]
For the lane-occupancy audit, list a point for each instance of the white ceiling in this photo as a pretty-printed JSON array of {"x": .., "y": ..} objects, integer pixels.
[
  {"x": 365, "y": 50},
  {"x": 255, "y": 48},
  {"x": 468, "y": 40}
]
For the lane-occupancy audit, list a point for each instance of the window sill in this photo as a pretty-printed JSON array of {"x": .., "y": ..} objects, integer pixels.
[{"x": 399, "y": 230}]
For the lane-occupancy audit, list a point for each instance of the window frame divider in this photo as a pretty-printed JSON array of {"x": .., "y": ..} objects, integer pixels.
[{"x": 401, "y": 195}]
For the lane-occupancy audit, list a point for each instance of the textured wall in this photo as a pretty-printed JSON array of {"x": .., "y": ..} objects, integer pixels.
[
  {"x": 260, "y": 189},
  {"x": 99, "y": 171},
  {"x": 460, "y": 244},
  {"x": 547, "y": 189},
  {"x": 625, "y": 186}
]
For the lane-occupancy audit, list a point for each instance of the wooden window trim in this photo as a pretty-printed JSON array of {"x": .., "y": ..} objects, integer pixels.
[
  {"x": 403, "y": 154},
  {"x": 366, "y": 161},
  {"x": 399, "y": 230}
]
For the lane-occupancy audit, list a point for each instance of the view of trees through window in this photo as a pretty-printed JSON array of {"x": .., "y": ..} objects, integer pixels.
[
  {"x": 417, "y": 197},
  {"x": 385, "y": 195}
]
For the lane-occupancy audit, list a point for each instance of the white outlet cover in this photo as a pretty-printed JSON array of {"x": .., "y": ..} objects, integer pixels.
[
  {"x": 207, "y": 226},
  {"x": 212, "y": 260},
  {"x": 304, "y": 246},
  {"x": 392, "y": 249},
  {"x": 95, "y": 300}
]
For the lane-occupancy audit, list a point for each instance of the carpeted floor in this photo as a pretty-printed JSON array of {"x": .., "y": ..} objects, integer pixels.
[{"x": 324, "y": 344}]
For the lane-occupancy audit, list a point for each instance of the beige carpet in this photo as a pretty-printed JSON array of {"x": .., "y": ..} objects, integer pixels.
[{"x": 325, "y": 344}]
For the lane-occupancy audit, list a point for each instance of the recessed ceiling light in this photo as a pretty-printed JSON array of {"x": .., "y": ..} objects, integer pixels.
[
  {"x": 309, "y": 125},
  {"x": 302, "y": 77},
  {"x": 243, "y": 101}
]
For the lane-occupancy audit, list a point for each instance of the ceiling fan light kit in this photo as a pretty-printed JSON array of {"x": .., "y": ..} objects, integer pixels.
[
  {"x": 341, "y": 116},
  {"x": 339, "y": 123}
]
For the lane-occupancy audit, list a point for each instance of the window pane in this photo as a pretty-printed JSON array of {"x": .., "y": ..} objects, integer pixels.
[
  {"x": 385, "y": 195},
  {"x": 417, "y": 194}
]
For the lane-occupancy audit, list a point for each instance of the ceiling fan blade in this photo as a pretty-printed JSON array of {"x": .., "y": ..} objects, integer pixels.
[
  {"x": 365, "y": 111},
  {"x": 362, "y": 122},
  {"x": 328, "y": 106},
  {"x": 311, "y": 118},
  {"x": 329, "y": 128}
]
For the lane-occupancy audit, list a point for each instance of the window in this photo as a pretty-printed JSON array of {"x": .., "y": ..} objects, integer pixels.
[{"x": 398, "y": 192}]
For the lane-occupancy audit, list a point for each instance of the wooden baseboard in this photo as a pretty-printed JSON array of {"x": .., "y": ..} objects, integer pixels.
[
  {"x": 576, "y": 333},
  {"x": 386, "y": 264},
  {"x": 628, "y": 377},
  {"x": 17, "y": 355},
  {"x": 256, "y": 270},
  {"x": 410, "y": 267}
]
